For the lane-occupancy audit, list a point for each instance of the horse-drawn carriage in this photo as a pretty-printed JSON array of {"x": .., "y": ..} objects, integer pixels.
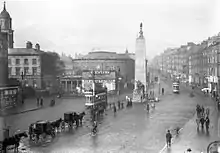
[
  {"x": 40, "y": 130},
  {"x": 68, "y": 119}
]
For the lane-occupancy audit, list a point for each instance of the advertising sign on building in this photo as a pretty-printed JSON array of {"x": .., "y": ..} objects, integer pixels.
[{"x": 106, "y": 78}]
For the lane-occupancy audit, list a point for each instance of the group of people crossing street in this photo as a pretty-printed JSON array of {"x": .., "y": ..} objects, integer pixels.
[{"x": 202, "y": 117}]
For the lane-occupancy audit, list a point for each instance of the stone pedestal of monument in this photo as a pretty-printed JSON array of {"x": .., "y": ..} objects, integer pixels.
[{"x": 137, "y": 96}]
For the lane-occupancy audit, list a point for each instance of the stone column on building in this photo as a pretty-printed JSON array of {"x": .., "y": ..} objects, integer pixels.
[
  {"x": 77, "y": 83},
  {"x": 71, "y": 85}
]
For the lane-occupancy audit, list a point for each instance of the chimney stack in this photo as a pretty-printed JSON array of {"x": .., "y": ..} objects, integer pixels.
[
  {"x": 29, "y": 45},
  {"x": 37, "y": 47}
]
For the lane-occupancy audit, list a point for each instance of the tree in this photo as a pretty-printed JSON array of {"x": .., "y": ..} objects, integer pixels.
[{"x": 52, "y": 64}]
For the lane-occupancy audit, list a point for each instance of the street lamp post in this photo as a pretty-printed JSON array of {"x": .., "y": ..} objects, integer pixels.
[
  {"x": 22, "y": 87},
  {"x": 118, "y": 81}
]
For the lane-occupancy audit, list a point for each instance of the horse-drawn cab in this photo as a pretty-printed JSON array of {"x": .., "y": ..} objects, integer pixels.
[
  {"x": 68, "y": 118},
  {"x": 40, "y": 129}
]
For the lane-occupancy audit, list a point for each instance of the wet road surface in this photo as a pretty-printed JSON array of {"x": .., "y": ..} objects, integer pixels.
[{"x": 131, "y": 129}]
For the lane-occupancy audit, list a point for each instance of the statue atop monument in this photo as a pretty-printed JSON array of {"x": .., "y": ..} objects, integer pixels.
[{"x": 141, "y": 32}]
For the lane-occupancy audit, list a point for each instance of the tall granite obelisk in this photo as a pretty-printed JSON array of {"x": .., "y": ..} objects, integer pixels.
[{"x": 140, "y": 67}]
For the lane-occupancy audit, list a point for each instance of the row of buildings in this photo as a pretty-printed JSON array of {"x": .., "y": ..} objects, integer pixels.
[
  {"x": 195, "y": 63},
  {"x": 35, "y": 68}
]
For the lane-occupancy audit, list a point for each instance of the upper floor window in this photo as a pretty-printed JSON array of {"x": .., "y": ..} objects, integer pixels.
[
  {"x": 34, "y": 61},
  {"x": 17, "y": 71},
  {"x": 26, "y": 61},
  {"x": 17, "y": 61},
  {"x": 9, "y": 61},
  {"x": 26, "y": 70},
  {"x": 34, "y": 70}
]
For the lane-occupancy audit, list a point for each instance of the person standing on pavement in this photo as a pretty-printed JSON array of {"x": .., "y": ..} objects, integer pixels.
[
  {"x": 207, "y": 121},
  {"x": 41, "y": 101},
  {"x": 202, "y": 121},
  {"x": 114, "y": 109},
  {"x": 119, "y": 105},
  {"x": 168, "y": 138},
  {"x": 162, "y": 91},
  {"x": 38, "y": 101},
  {"x": 147, "y": 107}
]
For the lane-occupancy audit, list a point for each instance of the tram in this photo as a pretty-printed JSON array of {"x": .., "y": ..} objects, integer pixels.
[
  {"x": 176, "y": 87},
  {"x": 96, "y": 98}
]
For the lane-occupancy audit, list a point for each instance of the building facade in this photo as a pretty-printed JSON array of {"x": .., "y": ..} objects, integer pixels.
[
  {"x": 24, "y": 64},
  {"x": 106, "y": 61},
  {"x": 70, "y": 81},
  {"x": 198, "y": 62}
]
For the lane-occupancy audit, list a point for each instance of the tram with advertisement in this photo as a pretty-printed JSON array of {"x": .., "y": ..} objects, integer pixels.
[{"x": 96, "y": 98}]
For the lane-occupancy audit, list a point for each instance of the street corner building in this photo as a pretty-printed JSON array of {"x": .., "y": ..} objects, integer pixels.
[
  {"x": 8, "y": 93},
  {"x": 113, "y": 70}
]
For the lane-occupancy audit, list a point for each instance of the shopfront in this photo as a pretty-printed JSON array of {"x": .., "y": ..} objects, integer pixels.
[{"x": 8, "y": 97}]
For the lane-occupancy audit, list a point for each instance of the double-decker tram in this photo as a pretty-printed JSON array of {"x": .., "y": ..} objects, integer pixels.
[{"x": 97, "y": 98}]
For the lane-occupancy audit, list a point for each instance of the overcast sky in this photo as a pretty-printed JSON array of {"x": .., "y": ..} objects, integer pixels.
[{"x": 72, "y": 26}]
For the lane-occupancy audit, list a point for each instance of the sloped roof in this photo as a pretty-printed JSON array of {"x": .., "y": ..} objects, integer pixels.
[
  {"x": 23, "y": 51},
  {"x": 105, "y": 55}
]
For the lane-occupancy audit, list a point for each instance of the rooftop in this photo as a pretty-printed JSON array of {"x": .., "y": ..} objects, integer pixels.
[
  {"x": 105, "y": 55},
  {"x": 23, "y": 51}
]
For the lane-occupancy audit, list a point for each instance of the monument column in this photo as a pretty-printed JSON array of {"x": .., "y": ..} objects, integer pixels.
[{"x": 140, "y": 67}]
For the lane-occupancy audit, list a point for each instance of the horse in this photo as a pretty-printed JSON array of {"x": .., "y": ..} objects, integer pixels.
[
  {"x": 56, "y": 124},
  {"x": 81, "y": 116},
  {"x": 14, "y": 140},
  {"x": 76, "y": 119}
]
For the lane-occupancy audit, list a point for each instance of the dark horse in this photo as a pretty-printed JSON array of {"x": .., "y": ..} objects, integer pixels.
[
  {"x": 14, "y": 140},
  {"x": 56, "y": 124},
  {"x": 81, "y": 116}
]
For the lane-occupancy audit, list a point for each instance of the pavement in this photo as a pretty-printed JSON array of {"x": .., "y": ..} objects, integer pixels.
[
  {"x": 193, "y": 138},
  {"x": 131, "y": 129},
  {"x": 30, "y": 104}
]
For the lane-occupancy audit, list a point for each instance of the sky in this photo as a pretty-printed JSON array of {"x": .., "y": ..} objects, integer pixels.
[{"x": 79, "y": 26}]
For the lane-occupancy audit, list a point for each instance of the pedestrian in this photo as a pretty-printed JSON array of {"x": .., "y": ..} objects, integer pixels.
[
  {"x": 207, "y": 121},
  {"x": 122, "y": 105},
  {"x": 119, "y": 105},
  {"x": 41, "y": 101},
  {"x": 202, "y": 121},
  {"x": 162, "y": 91},
  {"x": 130, "y": 102},
  {"x": 147, "y": 107},
  {"x": 168, "y": 138},
  {"x": 114, "y": 109},
  {"x": 38, "y": 101}
]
